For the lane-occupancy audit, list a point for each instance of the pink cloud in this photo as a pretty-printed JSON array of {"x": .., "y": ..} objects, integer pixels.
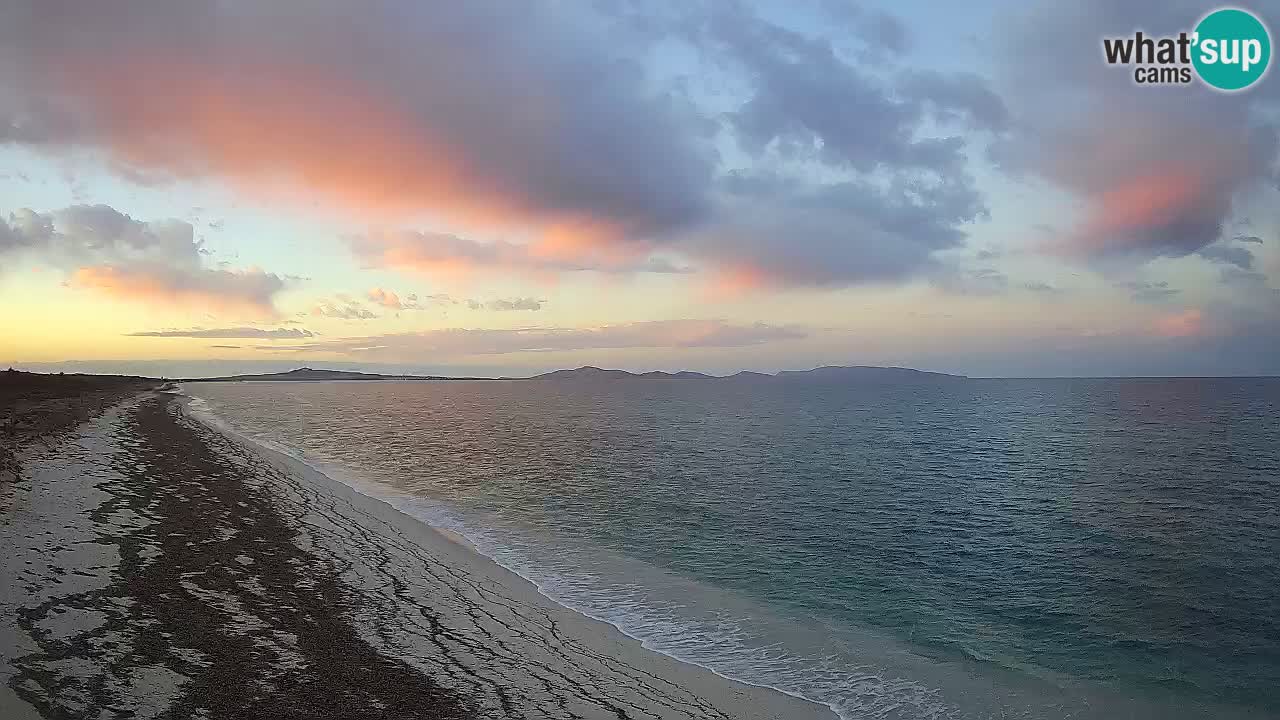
[
  {"x": 492, "y": 119},
  {"x": 159, "y": 263},
  {"x": 236, "y": 293},
  {"x": 385, "y": 298},
  {"x": 1188, "y": 323}
]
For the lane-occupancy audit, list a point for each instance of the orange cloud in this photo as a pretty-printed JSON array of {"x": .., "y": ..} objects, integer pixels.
[
  {"x": 493, "y": 121},
  {"x": 386, "y": 298},
  {"x": 736, "y": 280},
  {"x": 244, "y": 293},
  {"x": 1189, "y": 323},
  {"x": 286, "y": 131}
]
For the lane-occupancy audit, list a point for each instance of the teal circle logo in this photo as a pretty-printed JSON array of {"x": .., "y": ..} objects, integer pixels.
[{"x": 1232, "y": 49}]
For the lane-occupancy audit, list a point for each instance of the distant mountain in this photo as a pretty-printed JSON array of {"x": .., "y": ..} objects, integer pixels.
[
  {"x": 865, "y": 372},
  {"x": 590, "y": 373},
  {"x": 586, "y": 372},
  {"x": 830, "y": 373},
  {"x": 682, "y": 375},
  {"x": 309, "y": 375}
]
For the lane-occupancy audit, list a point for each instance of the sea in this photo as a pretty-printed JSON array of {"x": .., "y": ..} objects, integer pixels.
[{"x": 1063, "y": 548}]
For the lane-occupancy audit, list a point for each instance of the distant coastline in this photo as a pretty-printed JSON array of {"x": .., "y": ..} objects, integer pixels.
[{"x": 590, "y": 373}]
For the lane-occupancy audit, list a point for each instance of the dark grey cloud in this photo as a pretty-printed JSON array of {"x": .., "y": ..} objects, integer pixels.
[
  {"x": 809, "y": 101},
  {"x": 873, "y": 26},
  {"x": 105, "y": 250},
  {"x": 1254, "y": 239},
  {"x": 1245, "y": 278},
  {"x": 891, "y": 195},
  {"x": 1240, "y": 257},
  {"x": 963, "y": 99},
  {"x": 98, "y": 234},
  {"x": 227, "y": 333},
  {"x": 842, "y": 233}
]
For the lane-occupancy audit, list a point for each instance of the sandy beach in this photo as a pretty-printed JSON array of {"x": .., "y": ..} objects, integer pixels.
[{"x": 158, "y": 568}]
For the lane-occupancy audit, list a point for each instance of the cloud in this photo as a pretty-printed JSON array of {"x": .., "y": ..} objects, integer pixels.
[
  {"x": 109, "y": 252},
  {"x": 809, "y": 101},
  {"x": 1240, "y": 257},
  {"x": 491, "y": 114},
  {"x": 1248, "y": 279},
  {"x": 1149, "y": 292},
  {"x": 843, "y": 233},
  {"x": 225, "y": 347},
  {"x": 649, "y": 334},
  {"x": 962, "y": 99},
  {"x": 1248, "y": 239},
  {"x": 226, "y": 333},
  {"x": 1158, "y": 169},
  {"x": 878, "y": 195},
  {"x": 389, "y": 299},
  {"x": 1043, "y": 288},
  {"x": 562, "y": 128},
  {"x": 1188, "y": 323},
  {"x": 450, "y": 257},
  {"x": 978, "y": 282},
  {"x": 342, "y": 307},
  {"x": 519, "y": 303}
]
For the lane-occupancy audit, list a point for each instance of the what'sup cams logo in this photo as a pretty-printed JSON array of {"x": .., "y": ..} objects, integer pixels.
[{"x": 1229, "y": 50}]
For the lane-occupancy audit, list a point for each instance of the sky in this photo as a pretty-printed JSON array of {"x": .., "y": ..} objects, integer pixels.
[{"x": 506, "y": 188}]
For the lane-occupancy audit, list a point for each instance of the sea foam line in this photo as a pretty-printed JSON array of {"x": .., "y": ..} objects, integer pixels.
[{"x": 723, "y": 645}]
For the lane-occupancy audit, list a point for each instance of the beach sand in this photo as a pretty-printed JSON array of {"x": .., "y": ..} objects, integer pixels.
[{"x": 157, "y": 568}]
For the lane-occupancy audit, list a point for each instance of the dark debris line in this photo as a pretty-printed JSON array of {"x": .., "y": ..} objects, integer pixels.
[
  {"x": 226, "y": 588},
  {"x": 213, "y": 553},
  {"x": 511, "y": 656}
]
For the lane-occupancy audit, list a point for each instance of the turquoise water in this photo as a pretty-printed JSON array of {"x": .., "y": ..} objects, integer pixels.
[{"x": 991, "y": 548}]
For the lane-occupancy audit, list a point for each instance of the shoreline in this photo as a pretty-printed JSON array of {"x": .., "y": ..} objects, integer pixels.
[
  {"x": 202, "y": 545},
  {"x": 461, "y": 551},
  {"x": 857, "y": 672}
]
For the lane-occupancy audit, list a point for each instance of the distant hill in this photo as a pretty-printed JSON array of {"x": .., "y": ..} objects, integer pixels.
[
  {"x": 587, "y": 373},
  {"x": 682, "y": 375},
  {"x": 830, "y": 373},
  {"x": 865, "y": 372},
  {"x": 309, "y": 375}
]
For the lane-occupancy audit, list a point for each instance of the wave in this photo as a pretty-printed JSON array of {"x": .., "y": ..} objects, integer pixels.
[{"x": 854, "y": 672}]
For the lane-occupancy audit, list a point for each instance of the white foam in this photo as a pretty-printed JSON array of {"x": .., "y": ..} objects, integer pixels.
[{"x": 856, "y": 674}]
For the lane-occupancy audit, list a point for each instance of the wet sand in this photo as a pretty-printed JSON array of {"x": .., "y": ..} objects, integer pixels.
[{"x": 159, "y": 569}]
